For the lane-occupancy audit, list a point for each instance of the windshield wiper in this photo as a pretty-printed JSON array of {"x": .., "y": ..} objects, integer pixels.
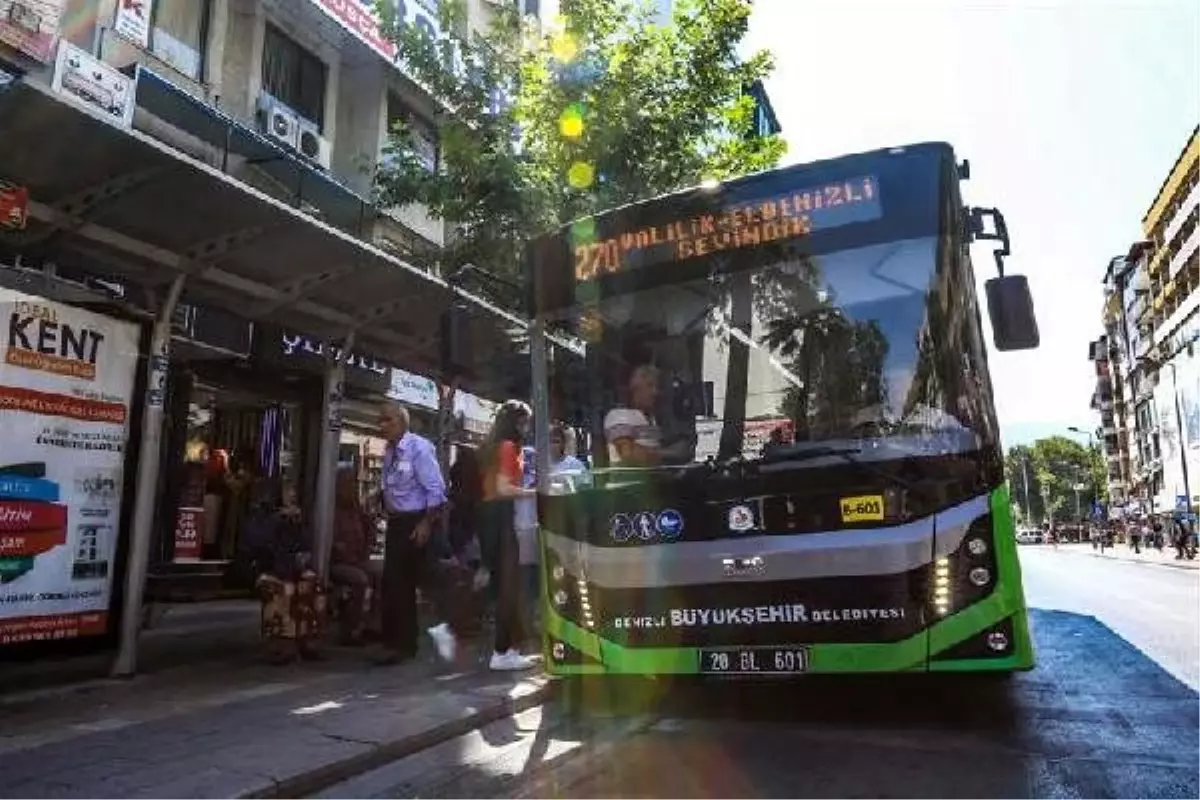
[
  {"x": 850, "y": 455},
  {"x": 808, "y": 455}
]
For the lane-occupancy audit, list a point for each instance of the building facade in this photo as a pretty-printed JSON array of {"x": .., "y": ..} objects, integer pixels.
[
  {"x": 191, "y": 181},
  {"x": 1148, "y": 373}
]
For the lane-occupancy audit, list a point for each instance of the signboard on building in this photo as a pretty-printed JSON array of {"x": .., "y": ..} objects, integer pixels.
[
  {"x": 476, "y": 413},
  {"x": 14, "y": 206},
  {"x": 358, "y": 17},
  {"x": 91, "y": 83},
  {"x": 31, "y": 26},
  {"x": 413, "y": 389},
  {"x": 133, "y": 20},
  {"x": 296, "y": 351},
  {"x": 66, "y": 386}
]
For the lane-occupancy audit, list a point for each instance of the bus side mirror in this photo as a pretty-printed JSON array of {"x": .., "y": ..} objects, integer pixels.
[{"x": 1010, "y": 307}]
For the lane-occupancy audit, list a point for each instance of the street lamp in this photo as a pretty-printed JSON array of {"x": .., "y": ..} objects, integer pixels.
[{"x": 1079, "y": 487}]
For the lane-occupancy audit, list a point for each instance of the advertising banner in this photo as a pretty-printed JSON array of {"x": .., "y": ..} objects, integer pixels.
[
  {"x": 66, "y": 385},
  {"x": 756, "y": 434},
  {"x": 476, "y": 412},
  {"x": 133, "y": 21},
  {"x": 86, "y": 80},
  {"x": 31, "y": 26}
]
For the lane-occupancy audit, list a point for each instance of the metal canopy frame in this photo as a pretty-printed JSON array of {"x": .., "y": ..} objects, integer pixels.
[{"x": 128, "y": 207}]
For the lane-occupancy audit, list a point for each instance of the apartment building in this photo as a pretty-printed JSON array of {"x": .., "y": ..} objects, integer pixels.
[{"x": 1148, "y": 374}]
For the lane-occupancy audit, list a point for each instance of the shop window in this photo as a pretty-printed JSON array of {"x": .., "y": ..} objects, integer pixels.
[
  {"x": 425, "y": 140},
  {"x": 294, "y": 76},
  {"x": 179, "y": 33}
]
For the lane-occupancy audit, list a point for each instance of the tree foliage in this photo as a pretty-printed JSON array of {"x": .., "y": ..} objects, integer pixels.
[
  {"x": 1051, "y": 468},
  {"x": 601, "y": 109}
]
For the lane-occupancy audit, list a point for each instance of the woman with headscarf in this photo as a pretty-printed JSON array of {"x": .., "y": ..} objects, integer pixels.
[
  {"x": 503, "y": 471},
  {"x": 350, "y": 560},
  {"x": 279, "y": 544}
]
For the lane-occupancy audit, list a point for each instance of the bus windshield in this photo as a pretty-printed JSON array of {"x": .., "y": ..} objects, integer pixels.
[{"x": 791, "y": 355}]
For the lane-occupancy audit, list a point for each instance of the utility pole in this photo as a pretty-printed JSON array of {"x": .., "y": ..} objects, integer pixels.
[{"x": 1025, "y": 477}]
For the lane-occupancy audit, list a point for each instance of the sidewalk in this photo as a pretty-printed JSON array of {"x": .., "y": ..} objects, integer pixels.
[
  {"x": 245, "y": 729},
  {"x": 1121, "y": 552}
]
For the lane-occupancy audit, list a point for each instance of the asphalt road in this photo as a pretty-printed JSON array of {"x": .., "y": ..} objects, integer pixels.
[
  {"x": 1154, "y": 607},
  {"x": 1098, "y": 718}
]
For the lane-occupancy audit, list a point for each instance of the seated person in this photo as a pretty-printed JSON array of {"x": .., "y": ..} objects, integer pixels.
[
  {"x": 632, "y": 430},
  {"x": 350, "y": 562},
  {"x": 279, "y": 544}
]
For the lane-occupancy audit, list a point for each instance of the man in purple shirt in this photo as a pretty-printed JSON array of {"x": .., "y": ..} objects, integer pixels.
[{"x": 413, "y": 493}]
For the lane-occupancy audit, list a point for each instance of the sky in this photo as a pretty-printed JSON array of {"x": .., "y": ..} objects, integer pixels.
[{"x": 1071, "y": 114}]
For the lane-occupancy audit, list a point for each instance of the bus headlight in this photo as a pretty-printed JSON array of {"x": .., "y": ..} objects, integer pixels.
[
  {"x": 977, "y": 546},
  {"x": 569, "y": 594},
  {"x": 997, "y": 641},
  {"x": 979, "y": 576}
]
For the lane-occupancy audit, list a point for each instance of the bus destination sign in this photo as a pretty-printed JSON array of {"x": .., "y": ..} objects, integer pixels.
[{"x": 748, "y": 224}]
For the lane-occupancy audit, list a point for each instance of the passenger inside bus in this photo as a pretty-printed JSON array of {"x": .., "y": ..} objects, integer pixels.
[
  {"x": 637, "y": 433},
  {"x": 631, "y": 430}
]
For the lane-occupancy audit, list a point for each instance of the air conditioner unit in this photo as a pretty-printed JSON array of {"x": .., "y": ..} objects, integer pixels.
[
  {"x": 312, "y": 145},
  {"x": 278, "y": 121}
]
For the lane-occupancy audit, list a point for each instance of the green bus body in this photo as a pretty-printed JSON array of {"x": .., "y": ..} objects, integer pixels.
[{"x": 873, "y": 531}]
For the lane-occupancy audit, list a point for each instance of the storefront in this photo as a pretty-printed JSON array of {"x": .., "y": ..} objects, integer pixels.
[
  {"x": 68, "y": 402},
  {"x": 234, "y": 419}
]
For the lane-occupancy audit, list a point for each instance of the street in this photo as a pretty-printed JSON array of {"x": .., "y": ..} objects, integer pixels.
[{"x": 1103, "y": 715}]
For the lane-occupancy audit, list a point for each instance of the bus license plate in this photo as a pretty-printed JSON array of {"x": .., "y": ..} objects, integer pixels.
[{"x": 753, "y": 660}]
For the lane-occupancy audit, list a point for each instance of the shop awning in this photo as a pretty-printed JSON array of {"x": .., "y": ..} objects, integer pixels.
[{"x": 121, "y": 204}]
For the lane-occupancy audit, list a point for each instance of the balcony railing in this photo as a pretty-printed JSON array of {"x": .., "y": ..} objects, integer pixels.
[
  {"x": 1186, "y": 251},
  {"x": 1186, "y": 209}
]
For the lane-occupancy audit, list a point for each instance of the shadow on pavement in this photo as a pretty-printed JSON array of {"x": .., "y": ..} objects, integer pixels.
[{"x": 1097, "y": 718}]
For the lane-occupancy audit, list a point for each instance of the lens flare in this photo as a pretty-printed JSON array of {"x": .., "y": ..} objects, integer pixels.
[
  {"x": 570, "y": 122},
  {"x": 564, "y": 47},
  {"x": 581, "y": 175},
  {"x": 583, "y": 232}
]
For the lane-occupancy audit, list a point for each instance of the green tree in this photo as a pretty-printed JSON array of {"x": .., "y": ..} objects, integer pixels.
[
  {"x": 1057, "y": 465},
  {"x": 1023, "y": 484},
  {"x": 604, "y": 110}
]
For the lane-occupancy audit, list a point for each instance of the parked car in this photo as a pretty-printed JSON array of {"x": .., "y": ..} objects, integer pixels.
[{"x": 1029, "y": 537}]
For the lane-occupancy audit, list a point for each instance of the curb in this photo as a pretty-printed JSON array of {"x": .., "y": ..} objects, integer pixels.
[
  {"x": 317, "y": 780},
  {"x": 1168, "y": 564}
]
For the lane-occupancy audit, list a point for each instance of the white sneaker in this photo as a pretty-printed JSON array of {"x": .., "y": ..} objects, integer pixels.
[
  {"x": 444, "y": 641},
  {"x": 512, "y": 661}
]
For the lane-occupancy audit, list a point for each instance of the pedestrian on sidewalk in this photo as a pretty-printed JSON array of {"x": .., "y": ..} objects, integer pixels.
[
  {"x": 1181, "y": 540},
  {"x": 413, "y": 493},
  {"x": 502, "y": 478}
]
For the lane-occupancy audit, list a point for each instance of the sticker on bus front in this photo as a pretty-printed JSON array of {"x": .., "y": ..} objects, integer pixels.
[{"x": 862, "y": 508}]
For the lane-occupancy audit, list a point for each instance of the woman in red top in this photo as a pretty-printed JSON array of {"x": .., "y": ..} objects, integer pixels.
[{"x": 502, "y": 471}]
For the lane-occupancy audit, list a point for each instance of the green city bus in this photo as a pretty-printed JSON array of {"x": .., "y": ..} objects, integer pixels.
[{"x": 779, "y": 391}]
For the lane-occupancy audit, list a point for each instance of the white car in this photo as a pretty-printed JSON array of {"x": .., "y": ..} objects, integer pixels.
[{"x": 1029, "y": 537}]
